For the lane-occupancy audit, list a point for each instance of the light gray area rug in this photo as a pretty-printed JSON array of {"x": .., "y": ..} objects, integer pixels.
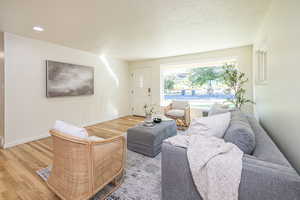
[{"x": 142, "y": 180}]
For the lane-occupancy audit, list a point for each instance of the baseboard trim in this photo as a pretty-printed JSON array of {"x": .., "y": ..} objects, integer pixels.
[
  {"x": 95, "y": 122},
  {"x": 101, "y": 121},
  {"x": 25, "y": 140}
]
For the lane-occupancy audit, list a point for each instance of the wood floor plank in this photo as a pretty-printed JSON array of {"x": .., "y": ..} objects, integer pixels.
[{"x": 18, "y": 165}]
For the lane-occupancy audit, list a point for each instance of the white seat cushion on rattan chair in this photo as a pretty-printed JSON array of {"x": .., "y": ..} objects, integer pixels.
[
  {"x": 70, "y": 129},
  {"x": 66, "y": 128},
  {"x": 175, "y": 113},
  {"x": 180, "y": 105},
  {"x": 95, "y": 138}
]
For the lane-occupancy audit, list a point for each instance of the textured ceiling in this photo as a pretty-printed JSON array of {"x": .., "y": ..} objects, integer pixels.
[{"x": 137, "y": 29}]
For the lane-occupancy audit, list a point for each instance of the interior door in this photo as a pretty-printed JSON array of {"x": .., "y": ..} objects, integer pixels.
[{"x": 141, "y": 90}]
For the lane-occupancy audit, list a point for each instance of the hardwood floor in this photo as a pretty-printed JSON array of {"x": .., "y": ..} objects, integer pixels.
[{"x": 18, "y": 165}]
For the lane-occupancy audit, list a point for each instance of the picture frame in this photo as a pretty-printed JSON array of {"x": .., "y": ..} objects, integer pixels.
[{"x": 65, "y": 79}]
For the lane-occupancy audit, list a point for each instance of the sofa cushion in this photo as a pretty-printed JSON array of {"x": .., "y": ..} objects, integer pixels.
[
  {"x": 215, "y": 125},
  {"x": 239, "y": 116},
  {"x": 70, "y": 129},
  {"x": 265, "y": 148},
  {"x": 241, "y": 134},
  {"x": 176, "y": 113}
]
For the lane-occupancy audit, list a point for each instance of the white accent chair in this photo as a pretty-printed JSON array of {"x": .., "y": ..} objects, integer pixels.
[{"x": 179, "y": 111}]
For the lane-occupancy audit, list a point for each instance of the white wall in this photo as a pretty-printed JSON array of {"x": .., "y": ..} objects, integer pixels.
[
  {"x": 278, "y": 101},
  {"x": 243, "y": 56},
  {"x": 29, "y": 114},
  {"x": 1, "y": 89}
]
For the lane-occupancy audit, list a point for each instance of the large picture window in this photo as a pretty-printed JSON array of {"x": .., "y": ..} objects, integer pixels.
[{"x": 201, "y": 85}]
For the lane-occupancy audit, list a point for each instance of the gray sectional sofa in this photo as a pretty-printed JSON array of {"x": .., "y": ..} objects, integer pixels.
[{"x": 266, "y": 173}]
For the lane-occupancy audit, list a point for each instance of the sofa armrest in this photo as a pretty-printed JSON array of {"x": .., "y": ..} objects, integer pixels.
[
  {"x": 252, "y": 160},
  {"x": 108, "y": 158},
  {"x": 177, "y": 181},
  {"x": 264, "y": 180}
]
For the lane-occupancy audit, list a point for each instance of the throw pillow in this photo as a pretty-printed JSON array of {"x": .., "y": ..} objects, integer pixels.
[
  {"x": 215, "y": 125},
  {"x": 70, "y": 129},
  {"x": 240, "y": 133},
  {"x": 218, "y": 109},
  {"x": 237, "y": 115}
]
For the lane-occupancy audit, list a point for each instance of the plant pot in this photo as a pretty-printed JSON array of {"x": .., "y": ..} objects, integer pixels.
[{"x": 148, "y": 118}]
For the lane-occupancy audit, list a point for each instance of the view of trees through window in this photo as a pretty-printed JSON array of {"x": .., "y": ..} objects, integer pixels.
[{"x": 202, "y": 86}]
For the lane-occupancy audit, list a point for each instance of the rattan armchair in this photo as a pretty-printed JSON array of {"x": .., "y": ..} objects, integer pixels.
[
  {"x": 179, "y": 111},
  {"x": 83, "y": 167}
]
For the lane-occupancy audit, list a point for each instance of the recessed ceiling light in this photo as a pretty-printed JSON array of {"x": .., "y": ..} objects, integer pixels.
[{"x": 38, "y": 28}]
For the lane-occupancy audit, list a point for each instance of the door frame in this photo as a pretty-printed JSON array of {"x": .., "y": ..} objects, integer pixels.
[
  {"x": 2, "y": 91},
  {"x": 132, "y": 88}
]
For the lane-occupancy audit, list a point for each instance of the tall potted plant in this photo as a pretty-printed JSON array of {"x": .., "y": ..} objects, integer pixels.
[
  {"x": 235, "y": 80},
  {"x": 204, "y": 75}
]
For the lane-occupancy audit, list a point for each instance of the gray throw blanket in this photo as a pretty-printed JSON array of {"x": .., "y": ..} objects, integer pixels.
[{"x": 215, "y": 165}]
